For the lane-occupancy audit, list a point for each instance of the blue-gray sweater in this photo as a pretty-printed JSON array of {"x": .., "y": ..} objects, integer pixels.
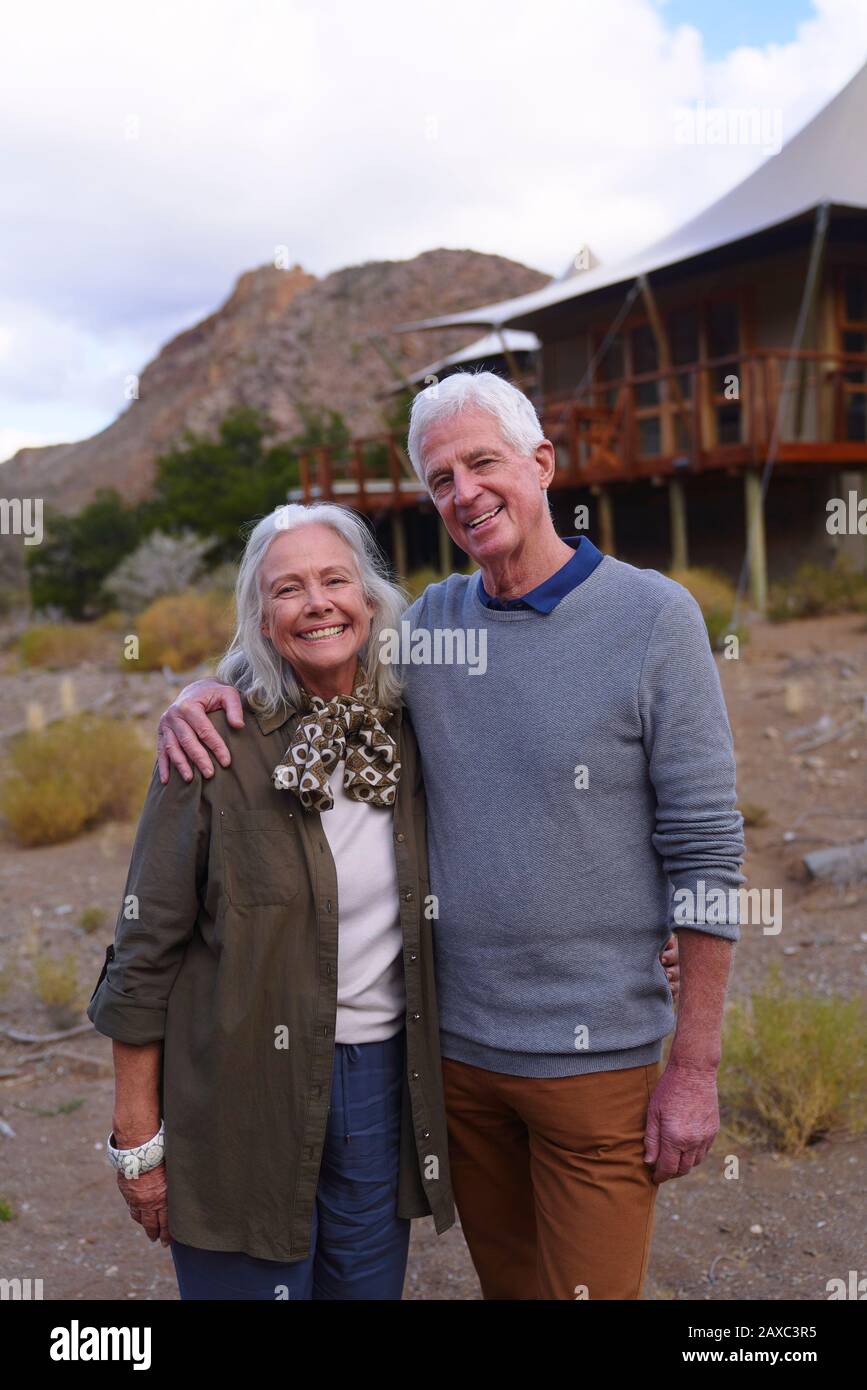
[{"x": 554, "y": 900}]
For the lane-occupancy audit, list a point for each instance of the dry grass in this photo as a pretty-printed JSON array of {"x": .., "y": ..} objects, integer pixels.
[
  {"x": 58, "y": 645},
  {"x": 816, "y": 590},
  {"x": 77, "y": 773},
  {"x": 794, "y": 1067},
  {"x": 57, "y": 986}
]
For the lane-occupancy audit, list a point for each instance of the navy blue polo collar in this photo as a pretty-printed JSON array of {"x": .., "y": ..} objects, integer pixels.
[{"x": 545, "y": 597}]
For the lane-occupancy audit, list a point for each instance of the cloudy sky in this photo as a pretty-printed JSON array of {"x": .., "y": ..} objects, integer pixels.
[{"x": 151, "y": 153}]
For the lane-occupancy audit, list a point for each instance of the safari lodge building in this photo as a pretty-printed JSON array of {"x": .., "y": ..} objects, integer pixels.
[{"x": 707, "y": 397}]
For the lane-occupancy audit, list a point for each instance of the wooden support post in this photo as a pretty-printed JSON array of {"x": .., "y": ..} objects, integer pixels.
[
  {"x": 511, "y": 363},
  {"x": 445, "y": 548},
  {"x": 606, "y": 521},
  {"x": 670, "y": 395},
  {"x": 398, "y": 543},
  {"x": 677, "y": 520},
  {"x": 758, "y": 565}
]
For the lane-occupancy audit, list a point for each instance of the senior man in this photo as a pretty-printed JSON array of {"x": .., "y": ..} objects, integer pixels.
[{"x": 581, "y": 802}]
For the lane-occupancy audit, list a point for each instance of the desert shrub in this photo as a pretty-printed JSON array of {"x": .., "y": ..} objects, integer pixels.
[
  {"x": 77, "y": 773},
  {"x": 92, "y": 918},
  {"x": 182, "y": 630},
  {"x": 162, "y": 564},
  {"x": 815, "y": 590},
  {"x": 794, "y": 1067},
  {"x": 57, "y": 981},
  {"x": 715, "y": 595},
  {"x": 65, "y": 644}
]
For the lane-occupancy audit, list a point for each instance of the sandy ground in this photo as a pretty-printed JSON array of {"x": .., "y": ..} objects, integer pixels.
[{"x": 780, "y": 1232}]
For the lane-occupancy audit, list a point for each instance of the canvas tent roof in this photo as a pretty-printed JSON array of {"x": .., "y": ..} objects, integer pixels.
[
  {"x": 491, "y": 345},
  {"x": 825, "y": 162}
]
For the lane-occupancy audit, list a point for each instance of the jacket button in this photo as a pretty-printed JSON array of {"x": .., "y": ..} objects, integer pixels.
[
  {"x": 413, "y": 956},
  {"x": 407, "y": 897},
  {"x": 425, "y": 1134},
  {"x": 400, "y": 837},
  {"x": 328, "y": 905},
  {"x": 413, "y": 1076},
  {"x": 415, "y": 1017}
]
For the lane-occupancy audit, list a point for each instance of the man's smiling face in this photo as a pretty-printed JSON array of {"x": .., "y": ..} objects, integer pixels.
[{"x": 491, "y": 498}]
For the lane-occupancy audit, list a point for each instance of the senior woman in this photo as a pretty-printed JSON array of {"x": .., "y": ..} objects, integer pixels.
[{"x": 278, "y": 1112}]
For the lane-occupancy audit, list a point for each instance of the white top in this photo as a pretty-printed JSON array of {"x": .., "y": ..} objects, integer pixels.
[{"x": 371, "y": 996}]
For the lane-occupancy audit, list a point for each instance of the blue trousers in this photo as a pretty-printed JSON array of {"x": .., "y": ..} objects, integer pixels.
[{"x": 358, "y": 1244}]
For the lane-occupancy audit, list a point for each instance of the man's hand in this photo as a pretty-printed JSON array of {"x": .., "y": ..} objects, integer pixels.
[
  {"x": 670, "y": 958},
  {"x": 147, "y": 1199},
  {"x": 682, "y": 1120},
  {"x": 186, "y": 729}
]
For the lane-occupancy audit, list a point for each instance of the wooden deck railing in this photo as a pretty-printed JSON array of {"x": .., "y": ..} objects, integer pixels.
[{"x": 694, "y": 417}]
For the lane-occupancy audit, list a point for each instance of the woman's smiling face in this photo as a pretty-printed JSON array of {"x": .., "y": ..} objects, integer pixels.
[{"x": 314, "y": 609}]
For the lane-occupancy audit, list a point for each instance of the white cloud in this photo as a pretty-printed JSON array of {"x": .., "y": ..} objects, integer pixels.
[{"x": 153, "y": 153}]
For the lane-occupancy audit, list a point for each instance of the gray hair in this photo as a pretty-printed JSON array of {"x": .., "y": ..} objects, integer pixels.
[
  {"x": 251, "y": 662},
  {"x": 513, "y": 411}
]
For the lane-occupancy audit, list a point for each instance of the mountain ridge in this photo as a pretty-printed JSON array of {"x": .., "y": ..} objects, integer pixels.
[{"x": 280, "y": 339}]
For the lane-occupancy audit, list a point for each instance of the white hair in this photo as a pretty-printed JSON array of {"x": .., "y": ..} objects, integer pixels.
[
  {"x": 251, "y": 662},
  {"x": 513, "y": 411}
]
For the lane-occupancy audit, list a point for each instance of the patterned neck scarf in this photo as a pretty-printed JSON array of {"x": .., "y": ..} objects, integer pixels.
[{"x": 347, "y": 727}]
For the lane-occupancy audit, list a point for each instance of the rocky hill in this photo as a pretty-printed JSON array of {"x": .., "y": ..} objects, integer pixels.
[{"x": 282, "y": 337}]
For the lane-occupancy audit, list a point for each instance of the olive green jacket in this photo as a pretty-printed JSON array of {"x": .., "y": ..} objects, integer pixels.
[{"x": 226, "y": 949}]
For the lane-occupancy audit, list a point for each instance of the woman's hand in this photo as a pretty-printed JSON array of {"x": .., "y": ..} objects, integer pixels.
[
  {"x": 671, "y": 960},
  {"x": 147, "y": 1199}
]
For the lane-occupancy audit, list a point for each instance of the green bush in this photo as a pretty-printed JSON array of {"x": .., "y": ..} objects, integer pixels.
[
  {"x": 794, "y": 1067},
  {"x": 77, "y": 773},
  {"x": 79, "y": 552}
]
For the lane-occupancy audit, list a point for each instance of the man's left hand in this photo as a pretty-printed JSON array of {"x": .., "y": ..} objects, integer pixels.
[{"x": 682, "y": 1120}]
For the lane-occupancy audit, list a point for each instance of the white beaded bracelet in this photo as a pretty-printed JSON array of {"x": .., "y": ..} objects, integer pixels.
[{"x": 132, "y": 1163}]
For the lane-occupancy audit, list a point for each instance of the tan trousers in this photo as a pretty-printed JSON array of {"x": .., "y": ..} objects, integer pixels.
[{"x": 550, "y": 1182}]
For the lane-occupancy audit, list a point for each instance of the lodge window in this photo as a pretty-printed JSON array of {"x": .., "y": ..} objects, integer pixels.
[
  {"x": 611, "y": 368},
  {"x": 662, "y": 407},
  {"x": 683, "y": 338},
  {"x": 647, "y": 398}
]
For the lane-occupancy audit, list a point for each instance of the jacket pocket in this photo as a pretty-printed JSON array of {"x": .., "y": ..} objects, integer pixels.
[{"x": 263, "y": 859}]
